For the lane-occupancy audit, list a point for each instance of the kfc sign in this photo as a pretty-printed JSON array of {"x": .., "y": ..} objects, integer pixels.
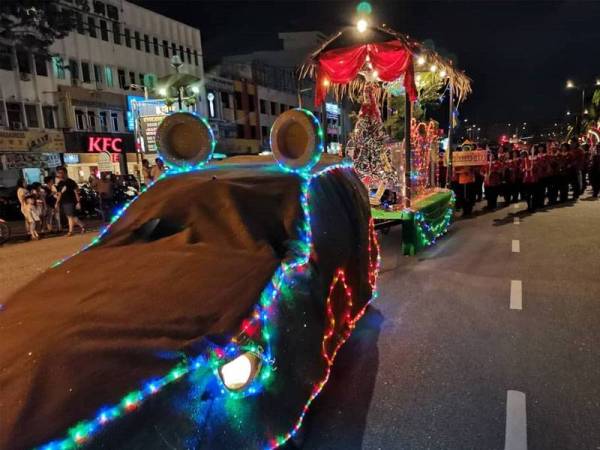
[{"x": 104, "y": 144}]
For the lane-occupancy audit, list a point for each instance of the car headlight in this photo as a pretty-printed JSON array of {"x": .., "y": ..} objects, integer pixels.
[{"x": 239, "y": 372}]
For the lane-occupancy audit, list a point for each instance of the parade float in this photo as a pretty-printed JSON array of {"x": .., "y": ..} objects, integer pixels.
[
  {"x": 244, "y": 279},
  {"x": 402, "y": 177}
]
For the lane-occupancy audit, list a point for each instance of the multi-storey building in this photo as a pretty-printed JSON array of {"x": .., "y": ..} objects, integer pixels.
[
  {"x": 75, "y": 104},
  {"x": 251, "y": 90}
]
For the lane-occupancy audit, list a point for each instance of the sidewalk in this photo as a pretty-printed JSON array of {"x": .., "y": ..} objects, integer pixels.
[{"x": 19, "y": 234}]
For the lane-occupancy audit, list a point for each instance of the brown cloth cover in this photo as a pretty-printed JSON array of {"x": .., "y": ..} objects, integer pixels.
[{"x": 86, "y": 333}]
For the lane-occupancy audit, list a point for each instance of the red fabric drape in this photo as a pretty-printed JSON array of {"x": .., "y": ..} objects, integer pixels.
[{"x": 390, "y": 59}]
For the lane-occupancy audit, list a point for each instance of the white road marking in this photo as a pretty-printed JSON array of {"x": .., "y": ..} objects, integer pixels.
[
  {"x": 516, "y": 294},
  {"x": 516, "y": 221},
  {"x": 516, "y": 421},
  {"x": 516, "y": 246}
]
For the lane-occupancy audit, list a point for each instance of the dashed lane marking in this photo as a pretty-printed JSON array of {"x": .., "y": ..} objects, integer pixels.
[
  {"x": 516, "y": 246},
  {"x": 516, "y": 294},
  {"x": 516, "y": 421}
]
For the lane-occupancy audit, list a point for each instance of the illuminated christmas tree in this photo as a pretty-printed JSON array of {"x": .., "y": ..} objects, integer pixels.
[{"x": 372, "y": 157}]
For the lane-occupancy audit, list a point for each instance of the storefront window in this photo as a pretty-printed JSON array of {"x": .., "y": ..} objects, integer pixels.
[
  {"x": 48, "y": 113},
  {"x": 114, "y": 117},
  {"x": 80, "y": 119},
  {"x": 103, "y": 121},
  {"x": 92, "y": 120},
  {"x": 15, "y": 115},
  {"x": 32, "y": 116},
  {"x": 108, "y": 75}
]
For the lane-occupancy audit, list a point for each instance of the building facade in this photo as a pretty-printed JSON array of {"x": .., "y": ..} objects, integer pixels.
[{"x": 76, "y": 103}]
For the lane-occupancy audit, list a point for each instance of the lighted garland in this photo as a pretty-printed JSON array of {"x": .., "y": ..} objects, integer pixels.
[
  {"x": 427, "y": 233},
  {"x": 84, "y": 431}
]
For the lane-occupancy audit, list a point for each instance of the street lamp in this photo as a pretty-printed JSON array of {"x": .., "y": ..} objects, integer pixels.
[
  {"x": 570, "y": 84},
  {"x": 362, "y": 25}
]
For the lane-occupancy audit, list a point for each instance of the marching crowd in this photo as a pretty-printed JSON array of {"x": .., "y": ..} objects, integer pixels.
[{"x": 539, "y": 175}]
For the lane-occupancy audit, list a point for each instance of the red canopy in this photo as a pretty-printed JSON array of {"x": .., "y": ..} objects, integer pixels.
[{"x": 390, "y": 60}]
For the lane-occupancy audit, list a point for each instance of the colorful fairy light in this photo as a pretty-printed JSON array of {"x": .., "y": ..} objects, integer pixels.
[
  {"x": 428, "y": 232},
  {"x": 261, "y": 316}
]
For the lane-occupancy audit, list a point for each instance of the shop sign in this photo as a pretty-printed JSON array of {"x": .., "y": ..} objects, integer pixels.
[
  {"x": 29, "y": 160},
  {"x": 71, "y": 158},
  {"x": 105, "y": 162},
  {"x": 104, "y": 144},
  {"x": 32, "y": 140},
  {"x": 149, "y": 126}
]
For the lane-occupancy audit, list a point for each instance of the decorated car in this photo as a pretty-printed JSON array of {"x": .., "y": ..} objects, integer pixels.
[{"x": 209, "y": 312}]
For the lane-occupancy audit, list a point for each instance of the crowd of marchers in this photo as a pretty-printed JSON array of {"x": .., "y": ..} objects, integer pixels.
[{"x": 538, "y": 174}]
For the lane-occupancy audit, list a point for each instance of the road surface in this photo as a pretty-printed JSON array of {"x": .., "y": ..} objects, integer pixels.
[{"x": 489, "y": 340}]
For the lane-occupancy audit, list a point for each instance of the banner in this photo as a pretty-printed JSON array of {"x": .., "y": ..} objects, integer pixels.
[
  {"x": 29, "y": 160},
  {"x": 32, "y": 141},
  {"x": 471, "y": 158}
]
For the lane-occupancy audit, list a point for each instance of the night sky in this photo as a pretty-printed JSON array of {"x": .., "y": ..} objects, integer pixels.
[{"x": 518, "y": 53}]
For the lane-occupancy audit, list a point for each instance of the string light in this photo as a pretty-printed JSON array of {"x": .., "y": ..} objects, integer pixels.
[
  {"x": 427, "y": 230},
  {"x": 262, "y": 315}
]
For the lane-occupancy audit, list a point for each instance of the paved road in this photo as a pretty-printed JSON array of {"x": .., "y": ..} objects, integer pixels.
[{"x": 431, "y": 364}]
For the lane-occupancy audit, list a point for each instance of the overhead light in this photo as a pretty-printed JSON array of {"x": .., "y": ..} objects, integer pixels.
[
  {"x": 421, "y": 60},
  {"x": 568, "y": 113},
  {"x": 570, "y": 84},
  {"x": 326, "y": 82},
  {"x": 163, "y": 92},
  {"x": 240, "y": 372},
  {"x": 433, "y": 68},
  {"x": 597, "y": 82},
  {"x": 362, "y": 25},
  {"x": 586, "y": 111}
]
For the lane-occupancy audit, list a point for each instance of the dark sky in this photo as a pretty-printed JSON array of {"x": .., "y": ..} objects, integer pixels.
[{"x": 518, "y": 53}]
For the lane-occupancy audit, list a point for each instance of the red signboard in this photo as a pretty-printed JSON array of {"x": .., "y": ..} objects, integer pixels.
[{"x": 104, "y": 144}]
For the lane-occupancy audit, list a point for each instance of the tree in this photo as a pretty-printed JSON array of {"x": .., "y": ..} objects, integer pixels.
[{"x": 34, "y": 25}]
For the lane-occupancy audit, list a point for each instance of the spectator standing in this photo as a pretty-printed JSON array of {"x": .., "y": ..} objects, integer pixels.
[
  {"x": 32, "y": 219},
  {"x": 158, "y": 169},
  {"x": 68, "y": 199},
  {"x": 146, "y": 172},
  {"x": 22, "y": 193},
  {"x": 50, "y": 195}
]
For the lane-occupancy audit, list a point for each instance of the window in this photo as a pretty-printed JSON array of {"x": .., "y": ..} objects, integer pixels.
[
  {"x": 117, "y": 33},
  {"x": 121, "y": 76},
  {"x": 92, "y": 120},
  {"x": 165, "y": 49},
  {"x": 181, "y": 55},
  {"x": 273, "y": 108},
  {"x": 92, "y": 26},
  {"x": 48, "y": 113},
  {"x": 40, "y": 65},
  {"x": 189, "y": 55},
  {"x": 127, "y": 37},
  {"x": 58, "y": 68},
  {"x": 265, "y": 132},
  {"x": 98, "y": 74},
  {"x": 137, "y": 41},
  {"x": 195, "y": 57},
  {"x": 225, "y": 99},
  {"x": 80, "y": 119},
  {"x": 155, "y": 44},
  {"x": 240, "y": 131},
  {"x": 99, "y": 8},
  {"x": 79, "y": 21},
  {"x": 263, "y": 107},
  {"x": 103, "y": 30},
  {"x": 112, "y": 12},
  {"x": 85, "y": 72},
  {"x": 238, "y": 100},
  {"x": 32, "y": 116},
  {"x": 146, "y": 43},
  {"x": 142, "y": 79},
  {"x": 15, "y": 115},
  {"x": 173, "y": 48},
  {"x": 253, "y": 133},
  {"x": 5, "y": 57},
  {"x": 74, "y": 69},
  {"x": 103, "y": 121},
  {"x": 251, "y": 105},
  {"x": 282, "y": 108},
  {"x": 108, "y": 76},
  {"x": 114, "y": 118},
  {"x": 23, "y": 62},
  {"x": 131, "y": 77}
]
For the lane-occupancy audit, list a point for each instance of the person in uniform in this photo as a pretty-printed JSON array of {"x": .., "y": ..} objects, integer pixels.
[
  {"x": 541, "y": 166},
  {"x": 493, "y": 175},
  {"x": 563, "y": 172},
  {"x": 529, "y": 180},
  {"x": 553, "y": 174}
]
